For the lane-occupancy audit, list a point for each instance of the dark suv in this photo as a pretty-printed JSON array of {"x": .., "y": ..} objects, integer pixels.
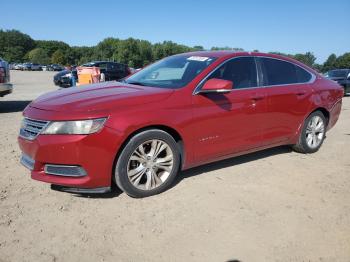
[
  {"x": 111, "y": 71},
  {"x": 5, "y": 86},
  {"x": 342, "y": 77}
]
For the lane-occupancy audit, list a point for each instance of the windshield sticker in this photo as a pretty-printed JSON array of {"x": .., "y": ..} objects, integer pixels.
[{"x": 198, "y": 58}]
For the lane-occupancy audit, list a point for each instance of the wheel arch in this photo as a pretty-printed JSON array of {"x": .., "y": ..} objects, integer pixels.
[
  {"x": 324, "y": 111},
  {"x": 171, "y": 131}
]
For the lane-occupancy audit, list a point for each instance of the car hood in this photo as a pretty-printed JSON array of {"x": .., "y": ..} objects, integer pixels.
[
  {"x": 99, "y": 97},
  {"x": 62, "y": 73}
]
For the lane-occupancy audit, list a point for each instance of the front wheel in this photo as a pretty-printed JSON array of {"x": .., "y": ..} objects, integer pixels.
[
  {"x": 148, "y": 164},
  {"x": 312, "y": 134}
]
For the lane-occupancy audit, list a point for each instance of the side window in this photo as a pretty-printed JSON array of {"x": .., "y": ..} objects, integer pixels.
[
  {"x": 102, "y": 66},
  {"x": 241, "y": 71},
  {"x": 110, "y": 66},
  {"x": 278, "y": 72},
  {"x": 303, "y": 75}
]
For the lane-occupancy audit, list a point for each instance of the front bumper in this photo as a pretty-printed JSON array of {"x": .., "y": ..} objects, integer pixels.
[
  {"x": 94, "y": 153},
  {"x": 5, "y": 89},
  {"x": 334, "y": 114},
  {"x": 63, "y": 82}
]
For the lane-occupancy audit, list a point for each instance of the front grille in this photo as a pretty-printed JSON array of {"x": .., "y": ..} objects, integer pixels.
[{"x": 31, "y": 128}]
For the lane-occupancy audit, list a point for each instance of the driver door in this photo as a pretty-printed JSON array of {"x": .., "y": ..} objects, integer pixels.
[{"x": 228, "y": 123}]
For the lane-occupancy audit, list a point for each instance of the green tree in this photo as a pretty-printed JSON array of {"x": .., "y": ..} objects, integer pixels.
[
  {"x": 106, "y": 49},
  {"x": 330, "y": 63},
  {"x": 39, "y": 56},
  {"x": 308, "y": 58},
  {"x": 58, "y": 57},
  {"x": 82, "y": 54},
  {"x": 50, "y": 46},
  {"x": 198, "y": 48},
  {"x": 236, "y": 49},
  {"x": 343, "y": 61},
  {"x": 14, "y": 45},
  {"x": 128, "y": 52}
]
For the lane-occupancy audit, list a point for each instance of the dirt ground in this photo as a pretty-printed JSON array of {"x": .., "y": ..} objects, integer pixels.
[{"x": 275, "y": 205}]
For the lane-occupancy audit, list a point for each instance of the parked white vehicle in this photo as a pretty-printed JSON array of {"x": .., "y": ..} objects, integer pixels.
[{"x": 18, "y": 67}]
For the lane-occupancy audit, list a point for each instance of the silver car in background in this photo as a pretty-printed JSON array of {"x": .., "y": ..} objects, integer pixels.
[{"x": 5, "y": 86}]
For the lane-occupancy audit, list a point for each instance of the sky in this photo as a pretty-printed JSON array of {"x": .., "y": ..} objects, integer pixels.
[{"x": 290, "y": 26}]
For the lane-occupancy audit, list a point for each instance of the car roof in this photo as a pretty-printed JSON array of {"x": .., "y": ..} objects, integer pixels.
[
  {"x": 341, "y": 69},
  {"x": 228, "y": 54},
  {"x": 95, "y": 62}
]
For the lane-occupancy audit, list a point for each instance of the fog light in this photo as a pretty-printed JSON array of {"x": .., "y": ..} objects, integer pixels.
[{"x": 63, "y": 170}]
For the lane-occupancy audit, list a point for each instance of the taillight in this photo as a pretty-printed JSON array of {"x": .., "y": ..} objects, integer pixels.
[{"x": 2, "y": 75}]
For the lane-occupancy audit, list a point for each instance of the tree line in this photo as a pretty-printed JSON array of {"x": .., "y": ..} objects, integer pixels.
[{"x": 17, "y": 47}]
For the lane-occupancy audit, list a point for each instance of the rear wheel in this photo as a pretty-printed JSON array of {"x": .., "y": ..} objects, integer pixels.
[
  {"x": 148, "y": 164},
  {"x": 312, "y": 134}
]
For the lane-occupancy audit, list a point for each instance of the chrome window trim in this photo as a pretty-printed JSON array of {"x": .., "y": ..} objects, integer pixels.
[{"x": 312, "y": 80}]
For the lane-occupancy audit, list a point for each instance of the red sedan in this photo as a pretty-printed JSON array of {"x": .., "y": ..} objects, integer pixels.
[{"x": 180, "y": 112}]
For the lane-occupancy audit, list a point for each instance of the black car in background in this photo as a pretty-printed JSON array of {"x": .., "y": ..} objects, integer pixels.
[
  {"x": 65, "y": 77},
  {"x": 110, "y": 70},
  {"x": 342, "y": 77},
  {"x": 54, "y": 67}
]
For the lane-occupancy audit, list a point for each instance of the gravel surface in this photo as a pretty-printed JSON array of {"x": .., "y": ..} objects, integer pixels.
[{"x": 274, "y": 205}]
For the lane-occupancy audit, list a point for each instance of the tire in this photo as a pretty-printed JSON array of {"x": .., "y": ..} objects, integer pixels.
[
  {"x": 313, "y": 134},
  {"x": 141, "y": 172}
]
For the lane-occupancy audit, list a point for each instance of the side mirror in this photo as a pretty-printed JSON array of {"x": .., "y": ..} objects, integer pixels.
[{"x": 216, "y": 85}]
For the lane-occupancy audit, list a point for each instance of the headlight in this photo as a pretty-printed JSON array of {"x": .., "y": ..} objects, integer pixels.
[
  {"x": 67, "y": 75},
  {"x": 80, "y": 127}
]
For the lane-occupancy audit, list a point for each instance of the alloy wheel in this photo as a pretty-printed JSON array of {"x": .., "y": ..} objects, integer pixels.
[
  {"x": 150, "y": 164},
  {"x": 315, "y": 131}
]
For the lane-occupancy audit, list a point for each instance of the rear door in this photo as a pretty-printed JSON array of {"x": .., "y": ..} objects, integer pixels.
[
  {"x": 288, "y": 93},
  {"x": 228, "y": 123}
]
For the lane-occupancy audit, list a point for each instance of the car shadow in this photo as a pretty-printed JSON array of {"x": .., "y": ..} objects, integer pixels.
[
  {"x": 234, "y": 161},
  {"x": 115, "y": 192},
  {"x": 13, "y": 106}
]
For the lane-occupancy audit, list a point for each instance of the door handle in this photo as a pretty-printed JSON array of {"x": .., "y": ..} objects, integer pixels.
[
  {"x": 257, "y": 97},
  {"x": 300, "y": 92}
]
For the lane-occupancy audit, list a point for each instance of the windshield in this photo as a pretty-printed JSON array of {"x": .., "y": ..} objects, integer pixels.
[
  {"x": 171, "y": 72},
  {"x": 337, "y": 73},
  {"x": 91, "y": 64}
]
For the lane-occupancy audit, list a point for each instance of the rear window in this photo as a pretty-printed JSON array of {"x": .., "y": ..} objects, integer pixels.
[
  {"x": 116, "y": 67},
  {"x": 337, "y": 73},
  {"x": 278, "y": 72}
]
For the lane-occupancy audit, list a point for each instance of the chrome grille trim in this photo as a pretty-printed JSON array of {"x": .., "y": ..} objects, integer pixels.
[{"x": 31, "y": 128}]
